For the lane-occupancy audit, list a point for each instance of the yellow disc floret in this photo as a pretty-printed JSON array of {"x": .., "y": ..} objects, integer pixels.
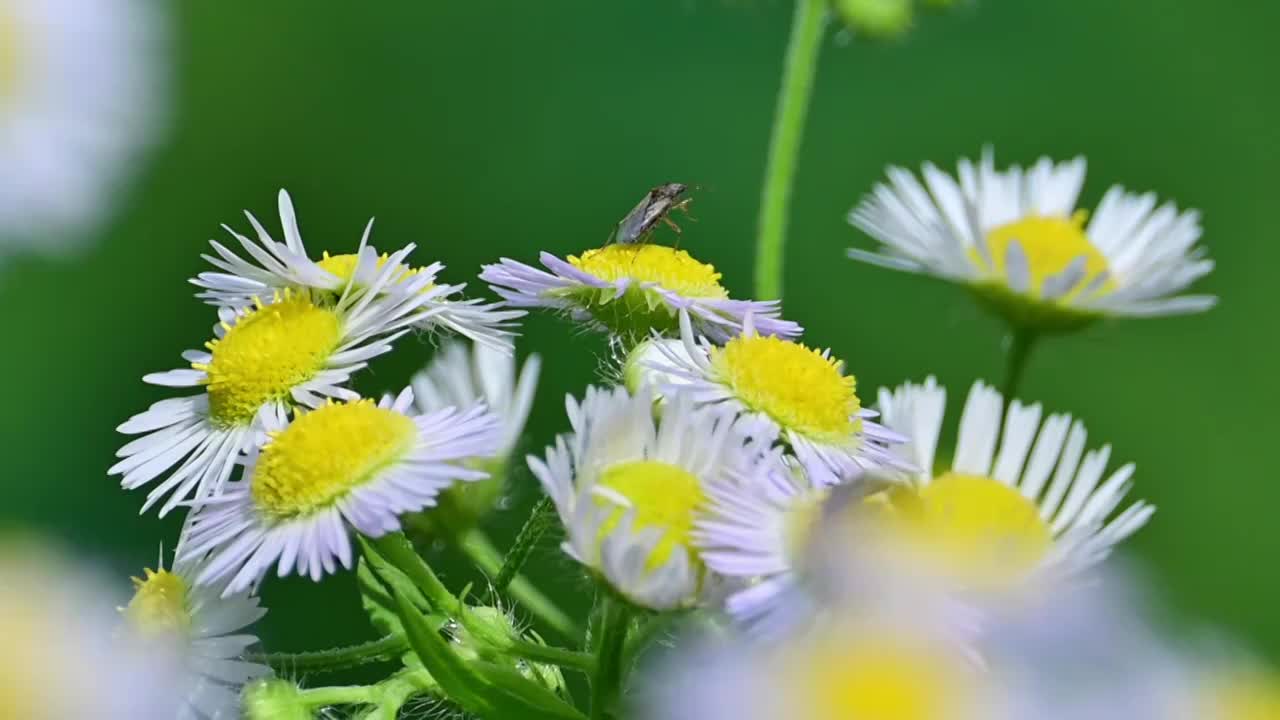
[
  {"x": 672, "y": 269},
  {"x": 797, "y": 387},
  {"x": 266, "y": 354},
  {"x": 1245, "y": 695},
  {"x": 1050, "y": 245},
  {"x": 159, "y": 604},
  {"x": 662, "y": 496},
  {"x": 344, "y": 266},
  {"x": 975, "y": 527},
  {"x": 872, "y": 674},
  {"x": 326, "y": 453}
]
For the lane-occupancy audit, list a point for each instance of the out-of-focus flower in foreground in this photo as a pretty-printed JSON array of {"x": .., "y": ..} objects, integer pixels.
[
  {"x": 1017, "y": 239},
  {"x": 65, "y": 654},
  {"x": 80, "y": 94}
]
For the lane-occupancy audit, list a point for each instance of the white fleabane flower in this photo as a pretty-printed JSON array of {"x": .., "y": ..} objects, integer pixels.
[
  {"x": 1018, "y": 240},
  {"x": 353, "y": 465},
  {"x": 286, "y": 265},
  {"x": 65, "y": 655},
  {"x": 463, "y": 377},
  {"x": 207, "y": 630},
  {"x": 297, "y": 350},
  {"x": 628, "y": 489},
  {"x": 756, "y": 531},
  {"x": 996, "y": 518},
  {"x": 784, "y": 389},
  {"x": 79, "y": 97},
  {"x": 634, "y": 290}
]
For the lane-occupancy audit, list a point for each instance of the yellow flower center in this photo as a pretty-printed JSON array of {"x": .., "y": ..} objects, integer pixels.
[
  {"x": 1252, "y": 695},
  {"x": 876, "y": 676},
  {"x": 1050, "y": 245},
  {"x": 974, "y": 527},
  {"x": 324, "y": 454},
  {"x": 663, "y": 496},
  {"x": 672, "y": 269},
  {"x": 9, "y": 50},
  {"x": 344, "y": 266},
  {"x": 794, "y": 385},
  {"x": 159, "y": 604},
  {"x": 266, "y": 354}
]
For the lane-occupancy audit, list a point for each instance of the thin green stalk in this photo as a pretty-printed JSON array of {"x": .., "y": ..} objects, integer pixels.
[
  {"x": 526, "y": 540},
  {"x": 480, "y": 549},
  {"x": 548, "y": 655},
  {"x": 800, "y": 67},
  {"x": 333, "y": 659},
  {"x": 606, "y": 685},
  {"x": 1021, "y": 342},
  {"x": 398, "y": 551},
  {"x": 343, "y": 695}
]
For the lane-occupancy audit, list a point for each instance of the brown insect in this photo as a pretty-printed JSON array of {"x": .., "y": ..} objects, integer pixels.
[{"x": 655, "y": 208}]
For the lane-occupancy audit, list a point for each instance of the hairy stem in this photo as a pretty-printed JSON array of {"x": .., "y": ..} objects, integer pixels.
[
  {"x": 333, "y": 659},
  {"x": 606, "y": 685},
  {"x": 784, "y": 144},
  {"x": 480, "y": 549},
  {"x": 527, "y": 539}
]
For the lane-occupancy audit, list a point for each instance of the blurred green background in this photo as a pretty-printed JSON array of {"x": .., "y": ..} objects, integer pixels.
[{"x": 490, "y": 129}]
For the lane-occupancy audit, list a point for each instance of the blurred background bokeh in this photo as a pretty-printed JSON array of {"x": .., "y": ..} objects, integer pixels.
[{"x": 489, "y": 129}]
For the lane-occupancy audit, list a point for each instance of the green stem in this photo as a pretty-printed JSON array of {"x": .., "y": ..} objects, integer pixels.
[
  {"x": 1021, "y": 341},
  {"x": 480, "y": 549},
  {"x": 606, "y": 686},
  {"x": 784, "y": 145},
  {"x": 344, "y": 695},
  {"x": 528, "y": 537},
  {"x": 548, "y": 655},
  {"x": 398, "y": 551},
  {"x": 333, "y": 659}
]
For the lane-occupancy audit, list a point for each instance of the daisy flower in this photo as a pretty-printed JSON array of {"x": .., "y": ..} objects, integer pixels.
[
  {"x": 64, "y": 654},
  {"x": 351, "y": 465},
  {"x": 1019, "y": 242},
  {"x": 207, "y": 628},
  {"x": 878, "y": 666},
  {"x": 757, "y": 531},
  {"x": 628, "y": 489},
  {"x": 995, "y": 518},
  {"x": 633, "y": 290},
  {"x": 788, "y": 390},
  {"x": 279, "y": 266},
  {"x": 79, "y": 97},
  {"x": 463, "y": 377},
  {"x": 295, "y": 351}
]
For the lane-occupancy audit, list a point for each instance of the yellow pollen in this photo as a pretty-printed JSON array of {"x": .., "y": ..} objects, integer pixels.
[
  {"x": 267, "y": 354},
  {"x": 663, "y": 496},
  {"x": 159, "y": 604},
  {"x": 326, "y": 453},
  {"x": 672, "y": 269},
  {"x": 876, "y": 676},
  {"x": 796, "y": 386},
  {"x": 1050, "y": 245},
  {"x": 1249, "y": 695},
  {"x": 345, "y": 265},
  {"x": 975, "y": 527}
]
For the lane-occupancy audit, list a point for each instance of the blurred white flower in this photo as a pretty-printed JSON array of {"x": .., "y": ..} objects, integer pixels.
[
  {"x": 207, "y": 631},
  {"x": 64, "y": 653},
  {"x": 1018, "y": 240},
  {"x": 80, "y": 95}
]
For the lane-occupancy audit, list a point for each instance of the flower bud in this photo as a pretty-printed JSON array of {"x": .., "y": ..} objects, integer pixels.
[
  {"x": 275, "y": 700},
  {"x": 877, "y": 19}
]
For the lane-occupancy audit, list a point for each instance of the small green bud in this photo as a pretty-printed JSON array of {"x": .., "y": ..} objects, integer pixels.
[
  {"x": 879, "y": 19},
  {"x": 274, "y": 700}
]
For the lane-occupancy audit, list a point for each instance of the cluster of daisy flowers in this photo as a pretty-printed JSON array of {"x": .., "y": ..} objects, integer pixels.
[{"x": 855, "y": 559}]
